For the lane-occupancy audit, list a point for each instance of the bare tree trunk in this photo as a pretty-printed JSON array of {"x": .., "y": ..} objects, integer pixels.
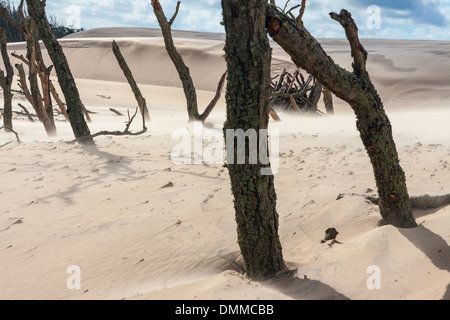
[
  {"x": 315, "y": 95},
  {"x": 36, "y": 10},
  {"x": 248, "y": 56},
  {"x": 6, "y": 83},
  {"x": 183, "y": 70},
  {"x": 134, "y": 87},
  {"x": 357, "y": 89},
  {"x": 328, "y": 101}
]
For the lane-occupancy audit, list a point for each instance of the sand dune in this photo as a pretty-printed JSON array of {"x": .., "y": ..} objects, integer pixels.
[
  {"x": 408, "y": 74},
  {"x": 105, "y": 209}
]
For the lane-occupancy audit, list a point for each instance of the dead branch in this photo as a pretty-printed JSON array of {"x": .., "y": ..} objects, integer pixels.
[
  {"x": 274, "y": 115},
  {"x": 86, "y": 113},
  {"x": 21, "y": 113},
  {"x": 23, "y": 83},
  {"x": 294, "y": 104},
  {"x": 285, "y": 5},
  {"x": 50, "y": 84},
  {"x": 58, "y": 100},
  {"x": 30, "y": 118},
  {"x": 15, "y": 133},
  {"x": 299, "y": 19},
  {"x": 125, "y": 132},
  {"x": 359, "y": 54},
  {"x": 116, "y": 111},
  {"x": 175, "y": 14},
  {"x": 21, "y": 58},
  {"x": 216, "y": 98}
]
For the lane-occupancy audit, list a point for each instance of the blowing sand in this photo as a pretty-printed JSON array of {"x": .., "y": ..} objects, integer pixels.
[{"x": 140, "y": 226}]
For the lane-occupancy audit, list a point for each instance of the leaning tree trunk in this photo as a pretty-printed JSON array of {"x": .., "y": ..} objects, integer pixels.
[
  {"x": 129, "y": 75},
  {"x": 357, "y": 89},
  {"x": 36, "y": 10},
  {"x": 182, "y": 69},
  {"x": 248, "y": 57},
  {"x": 6, "y": 82}
]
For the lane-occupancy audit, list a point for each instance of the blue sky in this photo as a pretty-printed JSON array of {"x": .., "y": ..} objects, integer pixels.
[{"x": 391, "y": 19}]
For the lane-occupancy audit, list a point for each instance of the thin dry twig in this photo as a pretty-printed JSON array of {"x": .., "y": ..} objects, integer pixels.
[{"x": 15, "y": 133}]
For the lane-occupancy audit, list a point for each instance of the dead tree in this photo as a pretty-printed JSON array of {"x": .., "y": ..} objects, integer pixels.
[
  {"x": 36, "y": 10},
  {"x": 41, "y": 104},
  {"x": 182, "y": 69},
  {"x": 134, "y": 87},
  {"x": 248, "y": 57},
  {"x": 6, "y": 82},
  {"x": 357, "y": 89}
]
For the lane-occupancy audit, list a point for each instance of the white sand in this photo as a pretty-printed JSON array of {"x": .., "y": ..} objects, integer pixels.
[{"x": 103, "y": 209}]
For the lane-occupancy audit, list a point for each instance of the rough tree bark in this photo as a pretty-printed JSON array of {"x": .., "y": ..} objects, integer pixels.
[
  {"x": 6, "y": 82},
  {"x": 357, "y": 89},
  {"x": 248, "y": 57},
  {"x": 36, "y": 10},
  {"x": 134, "y": 87}
]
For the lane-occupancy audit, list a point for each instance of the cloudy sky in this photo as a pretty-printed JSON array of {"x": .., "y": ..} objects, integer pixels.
[{"x": 394, "y": 19}]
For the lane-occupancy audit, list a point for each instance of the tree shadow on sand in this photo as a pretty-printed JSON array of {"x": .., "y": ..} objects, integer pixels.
[
  {"x": 289, "y": 284},
  {"x": 433, "y": 246},
  {"x": 305, "y": 289}
]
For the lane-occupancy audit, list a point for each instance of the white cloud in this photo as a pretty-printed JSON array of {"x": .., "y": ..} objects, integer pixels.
[{"x": 205, "y": 15}]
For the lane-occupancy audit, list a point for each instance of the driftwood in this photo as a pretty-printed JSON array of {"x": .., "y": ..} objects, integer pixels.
[{"x": 291, "y": 92}]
